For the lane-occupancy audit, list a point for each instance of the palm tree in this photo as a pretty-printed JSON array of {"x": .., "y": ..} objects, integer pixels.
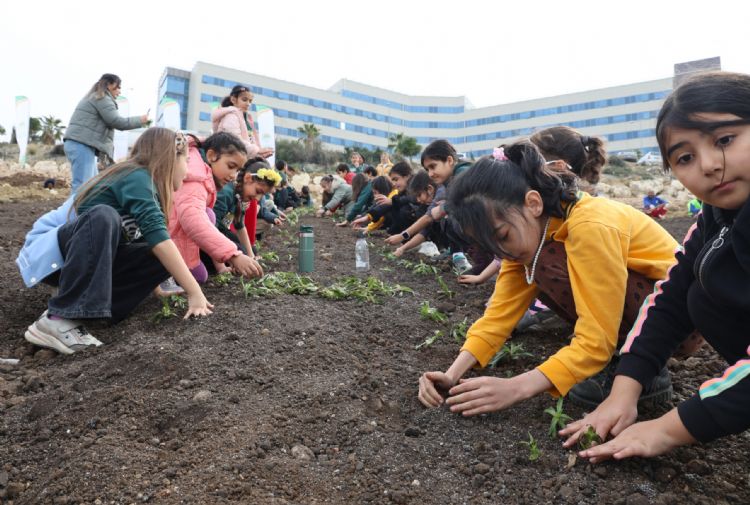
[
  {"x": 403, "y": 145},
  {"x": 310, "y": 133},
  {"x": 2, "y": 130},
  {"x": 52, "y": 130}
]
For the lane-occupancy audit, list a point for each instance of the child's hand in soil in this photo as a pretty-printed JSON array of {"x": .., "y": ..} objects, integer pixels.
[
  {"x": 480, "y": 395},
  {"x": 198, "y": 305},
  {"x": 394, "y": 239},
  {"x": 469, "y": 279},
  {"x": 645, "y": 439},
  {"x": 246, "y": 266},
  {"x": 618, "y": 411},
  {"x": 429, "y": 383}
]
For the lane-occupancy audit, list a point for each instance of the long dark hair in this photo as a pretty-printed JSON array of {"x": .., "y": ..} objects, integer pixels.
[
  {"x": 382, "y": 185},
  {"x": 251, "y": 167},
  {"x": 439, "y": 150},
  {"x": 420, "y": 182},
  {"x": 358, "y": 183},
  {"x": 585, "y": 155},
  {"x": 717, "y": 92},
  {"x": 491, "y": 189},
  {"x": 402, "y": 168},
  {"x": 100, "y": 87}
]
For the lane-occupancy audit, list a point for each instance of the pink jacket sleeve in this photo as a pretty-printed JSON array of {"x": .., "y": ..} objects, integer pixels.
[
  {"x": 232, "y": 123},
  {"x": 190, "y": 205}
]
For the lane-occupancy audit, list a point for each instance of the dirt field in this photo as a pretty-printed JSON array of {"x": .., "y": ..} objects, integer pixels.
[{"x": 298, "y": 399}]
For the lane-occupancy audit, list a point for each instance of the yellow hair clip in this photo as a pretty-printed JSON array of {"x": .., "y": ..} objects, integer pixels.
[{"x": 269, "y": 175}]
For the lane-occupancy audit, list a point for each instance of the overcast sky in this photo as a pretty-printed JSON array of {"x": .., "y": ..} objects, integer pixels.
[{"x": 491, "y": 52}]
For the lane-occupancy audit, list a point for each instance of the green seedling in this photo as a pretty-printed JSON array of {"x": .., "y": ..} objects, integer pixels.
[
  {"x": 458, "y": 331},
  {"x": 390, "y": 256},
  {"x": 365, "y": 290},
  {"x": 270, "y": 257},
  {"x": 559, "y": 418},
  {"x": 223, "y": 278},
  {"x": 510, "y": 352},
  {"x": 406, "y": 264},
  {"x": 168, "y": 306},
  {"x": 431, "y": 313},
  {"x": 430, "y": 340},
  {"x": 589, "y": 438},
  {"x": 423, "y": 268},
  {"x": 534, "y": 451},
  {"x": 445, "y": 289}
]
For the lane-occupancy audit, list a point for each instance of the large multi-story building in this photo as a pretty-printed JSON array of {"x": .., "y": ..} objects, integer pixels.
[{"x": 352, "y": 114}]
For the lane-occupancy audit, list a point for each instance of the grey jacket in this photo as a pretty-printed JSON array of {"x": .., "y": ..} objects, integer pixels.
[
  {"x": 342, "y": 194},
  {"x": 94, "y": 122}
]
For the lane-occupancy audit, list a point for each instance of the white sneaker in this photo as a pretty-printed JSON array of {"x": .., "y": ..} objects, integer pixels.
[
  {"x": 169, "y": 288},
  {"x": 65, "y": 336}
]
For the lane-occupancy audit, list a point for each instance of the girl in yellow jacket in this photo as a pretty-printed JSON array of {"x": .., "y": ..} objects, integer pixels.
[{"x": 592, "y": 260}]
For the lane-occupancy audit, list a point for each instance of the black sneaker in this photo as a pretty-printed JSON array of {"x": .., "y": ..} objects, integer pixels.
[{"x": 593, "y": 391}]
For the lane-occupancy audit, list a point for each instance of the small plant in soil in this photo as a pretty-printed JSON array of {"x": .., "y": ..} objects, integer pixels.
[
  {"x": 169, "y": 304},
  {"x": 458, "y": 330},
  {"x": 431, "y": 313},
  {"x": 423, "y": 268},
  {"x": 534, "y": 451},
  {"x": 269, "y": 257},
  {"x": 430, "y": 340},
  {"x": 223, "y": 278},
  {"x": 510, "y": 352},
  {"x": 559, "y": 418},
  {"x": 366, "y": 290},
  {"x": 589, "y": 438},
  {"x": 444, "y": 289},
  {"x": 406, "y": 264},
  {"x": 390, "y": 256}
]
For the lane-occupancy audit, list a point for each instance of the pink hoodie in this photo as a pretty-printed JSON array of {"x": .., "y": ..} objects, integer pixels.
[
  {"x": 189, "y": 225},
  {"x": 230, "y": 119}
]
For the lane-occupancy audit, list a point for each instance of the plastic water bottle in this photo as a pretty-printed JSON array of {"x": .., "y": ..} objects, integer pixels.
[{"x": 362, "y": 254}]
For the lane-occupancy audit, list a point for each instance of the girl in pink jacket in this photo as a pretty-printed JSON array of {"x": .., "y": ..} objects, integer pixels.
[
  {"x": 234, "y": 117},
  {"x": 192, "y": 222}
]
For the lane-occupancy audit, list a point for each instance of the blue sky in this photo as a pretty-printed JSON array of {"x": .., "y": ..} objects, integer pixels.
[{"x": 491, "y": 52}]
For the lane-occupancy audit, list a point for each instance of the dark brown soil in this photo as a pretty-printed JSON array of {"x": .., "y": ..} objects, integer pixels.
[{"x": 297, "y": 399}]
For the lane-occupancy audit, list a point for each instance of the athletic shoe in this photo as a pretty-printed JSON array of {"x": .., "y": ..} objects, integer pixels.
[
  {"x": 535, "y": 320},
  {"x": 169, "y": 288},
  {"x": 460, "y": 263},
  {"x": 63, "y": 335},
  {"x": 593, "y": 391}
]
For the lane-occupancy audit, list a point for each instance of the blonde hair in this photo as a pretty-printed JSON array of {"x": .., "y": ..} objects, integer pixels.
[{"x": 156, "y": 150}]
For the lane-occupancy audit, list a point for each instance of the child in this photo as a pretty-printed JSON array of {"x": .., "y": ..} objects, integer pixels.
[
  {"x": 402, "y": 210},
  {"x": 694, "y": 206},
  {"x": 654, "y": 206},
  {"x": 423, "y": 189},
  {"x": 383, "y": 188},
  {"x": 343, "y": 171},
  {"x": 703, "y": 130},
  {"x": 305, "y": 197},
  {"x": 441, "y": 162},
  {"x": 192, "y": 222},
  {"x": 566, "y": 148},
  {"x": 590, "y": 259},
  {"x": 107, "y": 248},
  {"x": 384, "y": 168},
  {"x": 254, "y": 181},
  {"x": 358, "y": 163},
  {"x": 361, "y": 195},
  {"x": 340, "y": 195},
  {"x": 234, "y": 117}
]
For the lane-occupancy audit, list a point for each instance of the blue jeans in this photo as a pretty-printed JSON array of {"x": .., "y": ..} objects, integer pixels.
[{"x": 82, "y": 160}]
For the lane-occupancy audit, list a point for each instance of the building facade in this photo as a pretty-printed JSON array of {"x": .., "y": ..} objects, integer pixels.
[{"x": 351, "y": 114}]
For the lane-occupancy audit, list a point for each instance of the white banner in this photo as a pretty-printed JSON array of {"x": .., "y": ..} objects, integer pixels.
[
  {"x": 266, "y": 130},
  {"x": 122, "y": 137},
  {"x": 23, "y": 114},
  {"x": 169, "y": 114}
]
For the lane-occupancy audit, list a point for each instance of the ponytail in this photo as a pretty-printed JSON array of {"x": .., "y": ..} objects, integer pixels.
[
  {"x": 493, "y": 188},
  {"x": 252, "y": 166},
  {"x": 585, "y": 155}
]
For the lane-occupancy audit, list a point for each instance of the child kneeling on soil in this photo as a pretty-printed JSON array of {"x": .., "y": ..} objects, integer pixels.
[
  {"x": 192, "y": 222},
  {"x": 254, "y": 180},
  {"x": 340, "y": 195},
  {"x": 399, "y": 209},
  {"x": 382, "y": 189},
  {"x": 591, "y": 260},
  {"x": 108, "y": 247},
  {"x": 703, "y": 130}
]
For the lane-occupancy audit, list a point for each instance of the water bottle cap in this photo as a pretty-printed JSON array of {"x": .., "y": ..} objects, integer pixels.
[
  {"x": 306, "y": 228},
  {"x": 361, "y": 234}
]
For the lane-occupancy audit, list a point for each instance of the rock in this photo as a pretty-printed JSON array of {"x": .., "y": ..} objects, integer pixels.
[
  {"x": 446, "y": 307},
  {"x": 566, "y": 492},
  {"x": 640, "y": 188},
  {"x": 3, "y": 478},
  {"x": 665, "y": 474},
  {"x": 185, "y": 383},
  {"x": 600, "y": 471},
  {"x": 482, "y": 468},
  {"x": 302, "y": 452},
  {"x": 698, "y": 467},
  {"x": 620, "y": 191},
  {"x": 33, "y": 384},
  {"x": 202, "y": 395},
  {"x": 412, "y": 432},
  {"x": 14, "y": 489},
  {"x": 265, "y": 332}
]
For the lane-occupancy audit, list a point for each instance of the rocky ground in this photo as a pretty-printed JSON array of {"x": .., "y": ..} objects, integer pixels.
[{"x": 299, "y": 399}]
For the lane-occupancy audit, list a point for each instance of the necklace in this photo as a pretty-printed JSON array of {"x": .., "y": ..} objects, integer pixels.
[{"x": 530, "y": 275}]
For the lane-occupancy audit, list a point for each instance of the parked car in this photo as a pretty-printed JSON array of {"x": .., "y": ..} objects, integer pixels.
[
  {"x": 627, "y": 155},
  {"x": 651, "y": 158}
]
